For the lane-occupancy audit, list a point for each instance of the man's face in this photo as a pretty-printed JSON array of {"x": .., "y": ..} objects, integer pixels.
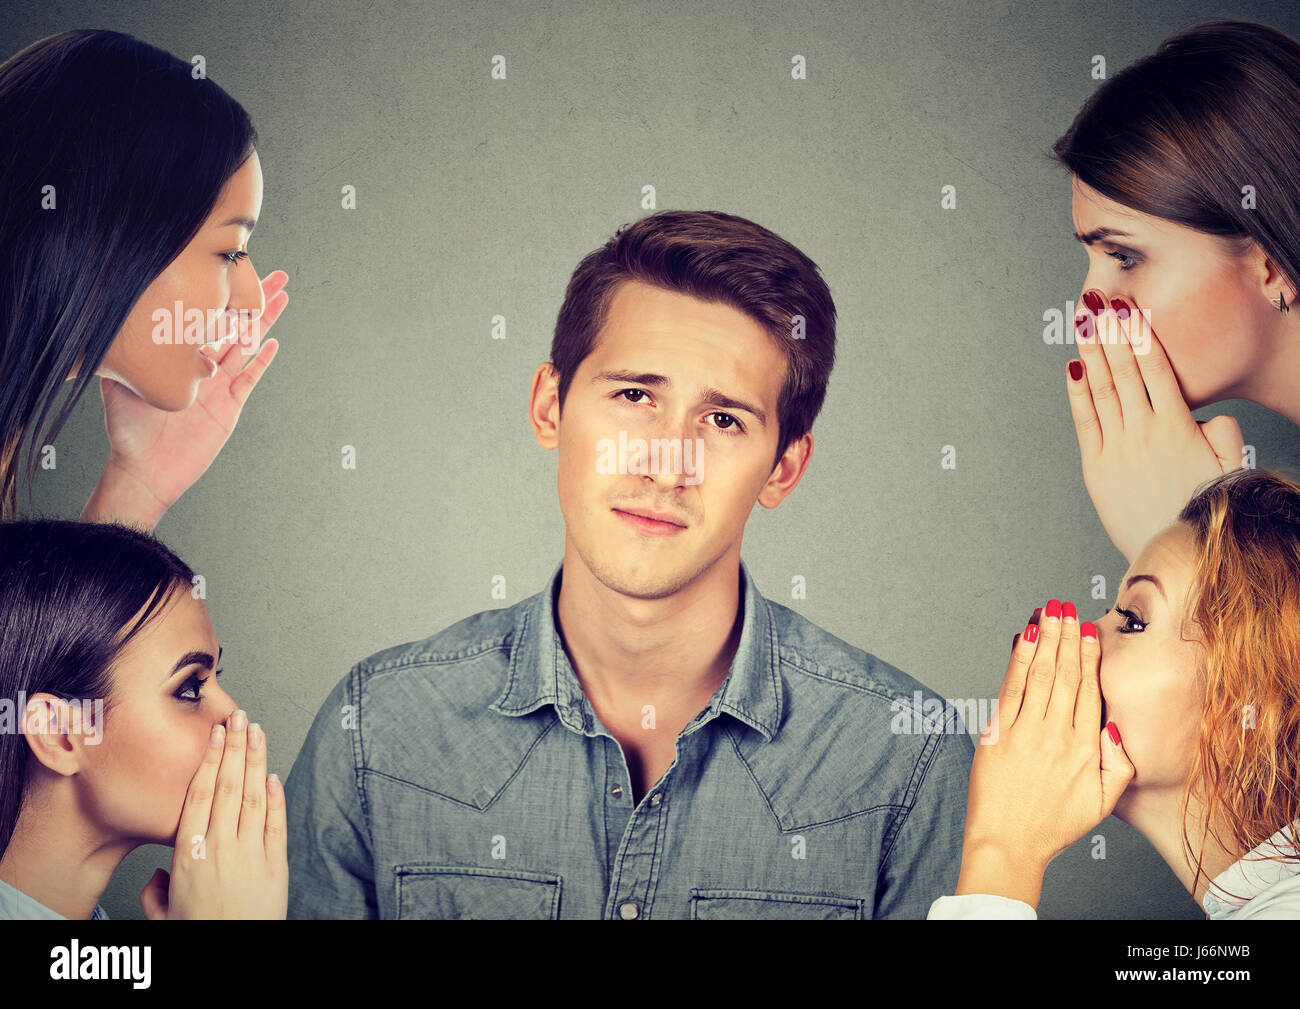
[{"x": 699, "y": 379}]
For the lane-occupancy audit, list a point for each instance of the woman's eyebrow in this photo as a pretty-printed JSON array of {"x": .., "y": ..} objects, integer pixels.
[
  {"x": 195, "y": 658},
  {"x": 1147, "y": 578},
  {"x": 1088, "y": 237},
  {"x": 244, "y": 222}
]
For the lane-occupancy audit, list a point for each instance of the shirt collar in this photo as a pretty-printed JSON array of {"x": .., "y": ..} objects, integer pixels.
[
  {"x": 1260, "y": 870},
  {"x": 540, "y": 672}
]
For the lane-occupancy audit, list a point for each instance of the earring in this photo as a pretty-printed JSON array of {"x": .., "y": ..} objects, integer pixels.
[{"x": 1280, "y": 303}]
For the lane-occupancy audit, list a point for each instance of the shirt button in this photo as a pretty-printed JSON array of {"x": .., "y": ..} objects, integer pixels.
[
  {"x": 627, "y": 910},
  {"x": 616, "y": 791},
  {"x": 654, "y": 799}
]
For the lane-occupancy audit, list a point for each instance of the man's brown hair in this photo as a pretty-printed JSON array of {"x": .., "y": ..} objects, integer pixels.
[{"x": 719, "y": 258}]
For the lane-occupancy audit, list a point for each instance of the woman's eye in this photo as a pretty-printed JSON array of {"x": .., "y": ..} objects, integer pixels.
[
  {"x": 194, "y": 686},
  {"x": 1126, "y": 262},
  {"x": 234, "y": 257},
  {"x": 1131, "y": 625}
]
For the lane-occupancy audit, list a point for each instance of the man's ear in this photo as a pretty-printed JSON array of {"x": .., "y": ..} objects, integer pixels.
[
  {"x": 544, "y": 405},
  {"x": 787, "y": 473}
]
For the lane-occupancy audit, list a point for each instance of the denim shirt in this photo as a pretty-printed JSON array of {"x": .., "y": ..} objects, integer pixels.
[{"x": 468, "y": 776}]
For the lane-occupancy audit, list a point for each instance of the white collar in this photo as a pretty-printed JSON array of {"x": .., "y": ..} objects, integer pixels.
[{"x": 1250, "y": 876}]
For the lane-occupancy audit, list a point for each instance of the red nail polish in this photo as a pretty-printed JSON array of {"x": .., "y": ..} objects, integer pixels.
[
  {"x": 1068, "y": 612},
  {"x": 1088, "y": 629},
  {"x": 1076, "y": 370},
  {"x": 1095, "y": 302},
  {"x": 1121, "y": 309},
  {"x": 1114, "y": 733},
  {"x": 1082, "y": 328},
  {"x": 1031, "y": 633},
  {"x": 1053, "y": 609}
]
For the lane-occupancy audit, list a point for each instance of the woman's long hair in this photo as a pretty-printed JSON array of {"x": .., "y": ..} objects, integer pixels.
[
  {"x": 1246, "y": 603},
  {"x": 112, "y": 155},
  {"x": 72, "y": 595},
  {"x": 1182, "y": 133}
]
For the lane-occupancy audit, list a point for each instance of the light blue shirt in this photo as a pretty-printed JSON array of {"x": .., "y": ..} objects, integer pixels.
[
  {"x": 1264, "y": 884},
  {"x": 468, "y": 776},
  {"x": 17, "y": 906}
]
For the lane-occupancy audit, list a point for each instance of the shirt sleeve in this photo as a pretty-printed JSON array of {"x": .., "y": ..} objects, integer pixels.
[
  {"x": 331, "y": 870},
  {"x": 925, "y": 858},
  {"x": 1281, "y": 901},
  {"x": 981, "y": 907}
]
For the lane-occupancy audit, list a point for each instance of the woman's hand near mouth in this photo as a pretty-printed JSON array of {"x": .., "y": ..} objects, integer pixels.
[
  {"x": 1042, "y": 776},
  {"x": 154, "y": 455}
]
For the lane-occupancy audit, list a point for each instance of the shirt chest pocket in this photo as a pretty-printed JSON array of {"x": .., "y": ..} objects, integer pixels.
[
  {"x": 432, "y": 891},
  {"x": 771, "y": 905}
]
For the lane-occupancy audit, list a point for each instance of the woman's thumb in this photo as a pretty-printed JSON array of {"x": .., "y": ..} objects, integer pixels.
[
  {"x": 1116, "y": 769},
  {"x": 153, "y": 898},
  {"x": 1224, "y": 435}
]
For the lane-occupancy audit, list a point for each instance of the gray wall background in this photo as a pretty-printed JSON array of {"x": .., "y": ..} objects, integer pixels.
[{"x": 477, "y": 197}]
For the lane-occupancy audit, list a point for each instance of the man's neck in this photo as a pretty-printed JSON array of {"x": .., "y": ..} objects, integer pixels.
[{"x": 671, "y": 652}]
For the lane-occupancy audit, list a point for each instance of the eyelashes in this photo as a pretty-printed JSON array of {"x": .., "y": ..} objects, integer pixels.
[
  {"x": 736, "y": 427},
  {"x": 233, "y": 257},
  {"x": 1132, "y": 623},
  {"x": 1126, "y": 262},
  {"x": 195, "y": 684}
]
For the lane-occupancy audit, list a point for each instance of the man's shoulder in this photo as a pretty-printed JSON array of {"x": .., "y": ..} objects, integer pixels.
[
  {"x": 462, "y": 648},
  {"x": 815, "y": 660}
]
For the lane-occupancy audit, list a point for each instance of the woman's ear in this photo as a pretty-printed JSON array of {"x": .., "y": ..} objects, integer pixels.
[{"x": 52, "y": 728}]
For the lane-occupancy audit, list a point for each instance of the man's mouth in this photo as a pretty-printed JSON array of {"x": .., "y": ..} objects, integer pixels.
[{"x": 645, "y": 520}]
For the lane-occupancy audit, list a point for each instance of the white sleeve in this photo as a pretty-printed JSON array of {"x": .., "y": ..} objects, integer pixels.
[
  {"x": 981, "y": 906},
  {"x": 1281, "y": 901}
]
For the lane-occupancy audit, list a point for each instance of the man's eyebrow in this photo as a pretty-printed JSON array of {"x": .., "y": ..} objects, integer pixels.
[
  {"x": 244, "y": 222},
  {"x": 195, "y": 658},
  {"x": 714, "y": 397},
  {"x": 1147, "y": 578},
  {"x": 1088, "y": 237}
]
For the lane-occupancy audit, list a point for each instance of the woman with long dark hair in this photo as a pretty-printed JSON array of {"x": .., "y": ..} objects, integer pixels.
[
  {"x": 1185, "y": 168},
  {"x": 129, "y": 187},
  {"x": 115, "y": 733}
]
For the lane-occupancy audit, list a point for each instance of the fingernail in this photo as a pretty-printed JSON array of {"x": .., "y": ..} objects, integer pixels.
[
  {"x": 1076, "y": 370},
  {"x": 1095, "y": 302},
  {"x": 1120, "y": 308},
  {"x": 1031, "y": 633},
  {"x": 1087, "y": 629},
  {"x": 1053, "y": 611},
  {"x": 1082, "y": 328},
  {"x": 238, "y": 720},
  {"x": 1068, "y": 612},
  {"x": 214, "y": 737},
  {"x": 273, "y": 782},
  {"x": 1114, "y": 733},
  {"x": 255, "y": 736}
]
